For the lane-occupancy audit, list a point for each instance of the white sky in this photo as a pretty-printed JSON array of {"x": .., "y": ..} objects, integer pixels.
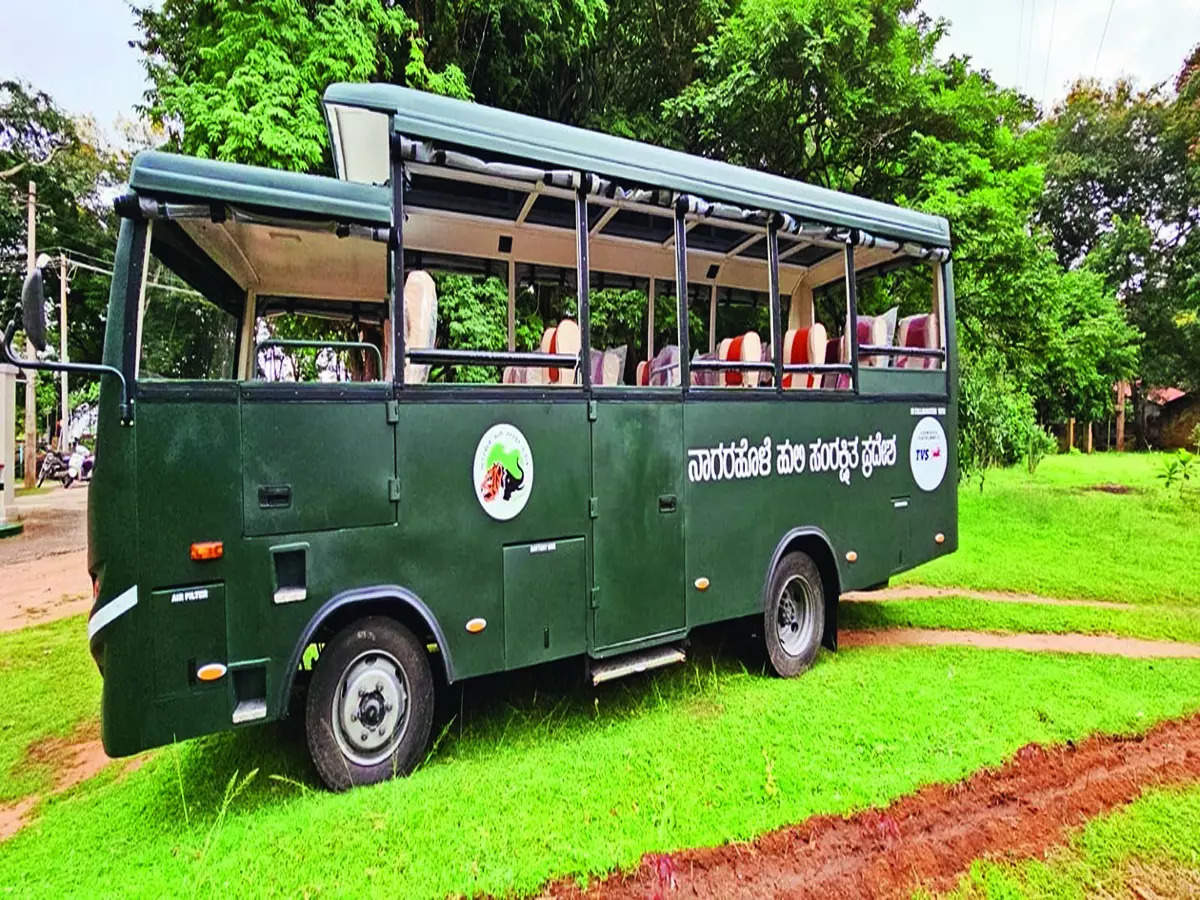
[{"x": 77, "y": 50}]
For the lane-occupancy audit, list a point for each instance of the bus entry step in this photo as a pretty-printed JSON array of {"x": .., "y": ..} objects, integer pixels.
[{"x": 640, "y": 661}]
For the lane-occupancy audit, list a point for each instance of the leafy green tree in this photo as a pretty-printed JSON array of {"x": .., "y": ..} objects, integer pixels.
[
  {"x": 241, "y": 80},
  {"x": 1123, "y": 190},
  {"x": 74, "y": 172}
]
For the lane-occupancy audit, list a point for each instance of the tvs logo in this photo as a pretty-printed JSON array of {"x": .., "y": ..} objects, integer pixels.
[
  {"x": 927, "y": 453},
  {"x": 503, "y": 471}
]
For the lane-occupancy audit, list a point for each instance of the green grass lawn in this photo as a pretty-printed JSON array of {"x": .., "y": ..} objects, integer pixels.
[
  {"x": 1049, "y": 533},
  {"x": 1153, "y": 844},
  {"x": 48, "y": 686},
  {"x": 540, "y": 782},
  {"x": 982, "y": 615}
]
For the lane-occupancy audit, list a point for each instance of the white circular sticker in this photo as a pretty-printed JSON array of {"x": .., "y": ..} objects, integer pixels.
[
  {"x": 503, "y": 471},
  {"x": 927, "y": 453}
]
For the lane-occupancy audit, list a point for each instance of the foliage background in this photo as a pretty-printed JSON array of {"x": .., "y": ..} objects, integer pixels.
[{"x": 1075, "y": 262}]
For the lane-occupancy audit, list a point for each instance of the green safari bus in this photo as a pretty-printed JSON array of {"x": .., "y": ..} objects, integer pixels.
[{"x": 662, "y": 392}]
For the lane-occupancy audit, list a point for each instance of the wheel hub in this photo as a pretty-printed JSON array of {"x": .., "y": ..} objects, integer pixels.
[
  {"x": 794, "y": 616},
  {"x": 371, "y": 708}
]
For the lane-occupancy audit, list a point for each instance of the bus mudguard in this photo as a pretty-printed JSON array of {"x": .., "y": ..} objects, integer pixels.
[
  {"x": 809, "y": 538},
  {"x": 380, "y": 598}
]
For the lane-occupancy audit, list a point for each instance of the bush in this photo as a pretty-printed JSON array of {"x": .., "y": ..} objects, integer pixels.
[{"x": 997, "y": 424}]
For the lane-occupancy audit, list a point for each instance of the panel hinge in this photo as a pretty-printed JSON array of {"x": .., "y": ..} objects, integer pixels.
[
  {"x": 393, "y": 412},
  {"x": 594, "y": 600},
  {"x": 394, "y": 490},
  {"x": 593, "y": 507},
  {"x": 591, "y": 410}
]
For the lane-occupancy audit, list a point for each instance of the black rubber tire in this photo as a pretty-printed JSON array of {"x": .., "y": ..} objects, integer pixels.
[
  {"x": 337, "y": 770},
  {"x": 41, "y": 475},
  {"x": 797, "y": 572}
]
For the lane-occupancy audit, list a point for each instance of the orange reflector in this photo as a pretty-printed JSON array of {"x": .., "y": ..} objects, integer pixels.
[
  {"x": 206, "y": 550},
  {"x": 939, "y": 538},
  {"x": 702, "y": 583},
  {"x": 476, "y": 625},
  {"x": 210, "y": 671},
  {"x": 851, "y": 556}
]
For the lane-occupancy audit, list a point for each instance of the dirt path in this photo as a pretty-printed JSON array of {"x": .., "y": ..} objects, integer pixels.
[
  {"x": 71, "y": 759},
  {"x": 929, "y": 838},
  {"x": 925, "y": 592},
  {"x": 43, "y": 572},
  {"x": 1134, "y": 648}
]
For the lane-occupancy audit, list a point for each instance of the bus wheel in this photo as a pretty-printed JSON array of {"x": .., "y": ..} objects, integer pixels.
[
  {"x": 370, "y": 704},
  {"x": 794, "y": 619}
]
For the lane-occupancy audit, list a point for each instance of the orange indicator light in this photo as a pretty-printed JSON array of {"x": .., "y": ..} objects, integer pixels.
[
  {"x": 202, "y": 551},
  {"x": 939, "y": 538},
  {"x": 852, "y": 556},
  {"x": 210, "y": 671},
  {"x": 476, "y": 625},
  {"x": 702, "y": 583}
]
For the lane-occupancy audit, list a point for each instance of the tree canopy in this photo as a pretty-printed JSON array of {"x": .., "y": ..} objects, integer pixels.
[{"x": 1074, "y": 260}]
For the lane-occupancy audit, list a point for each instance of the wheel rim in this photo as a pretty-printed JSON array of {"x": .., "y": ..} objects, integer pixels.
[
  {"x": 795, "y": 617},
  {"x": 370, "y": 707}
]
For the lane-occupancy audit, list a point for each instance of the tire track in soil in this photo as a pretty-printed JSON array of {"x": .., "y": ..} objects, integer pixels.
[
  {"x": 1031, "y": 642},
  {"x": 927, "y": 839}
]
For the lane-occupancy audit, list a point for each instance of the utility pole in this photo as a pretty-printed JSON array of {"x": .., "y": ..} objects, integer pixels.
[
  {"x": 62, "y": 353},
  {"x": 30, "y": 352}
]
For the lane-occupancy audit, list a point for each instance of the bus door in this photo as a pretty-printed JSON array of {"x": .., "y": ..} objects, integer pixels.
[
  {"x": 316, "y": 457},
  {"x": 637, "y": 483}
]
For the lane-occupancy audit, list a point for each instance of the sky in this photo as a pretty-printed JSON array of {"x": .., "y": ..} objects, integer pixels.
[{"x": 78, "y": 50}]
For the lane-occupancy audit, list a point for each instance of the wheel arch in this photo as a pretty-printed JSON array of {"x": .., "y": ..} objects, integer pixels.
[
  {"x": 389, "y": 600},
  {"x": 816, "y": 543}
]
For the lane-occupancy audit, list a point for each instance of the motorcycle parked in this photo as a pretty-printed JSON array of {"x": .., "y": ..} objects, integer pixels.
[
  {"x": 54, "y": 466},
  {"x": 80, "y": 465}
]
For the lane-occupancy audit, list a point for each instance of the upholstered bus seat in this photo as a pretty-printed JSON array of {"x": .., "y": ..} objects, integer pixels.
[
  {"x": 804, "y": 346},
  {"x": 743, "y": 348},
  {"x": 917, "y": 331},
  {"x": 662, "y": 370},
  {"x": 873, "y": 331},
  {"x": 420, "y": 320}
]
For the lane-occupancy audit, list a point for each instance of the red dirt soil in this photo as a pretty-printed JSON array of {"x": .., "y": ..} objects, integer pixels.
[
  {"x": 1132, "y": 648},
  {"x": 928, "y": 839}
]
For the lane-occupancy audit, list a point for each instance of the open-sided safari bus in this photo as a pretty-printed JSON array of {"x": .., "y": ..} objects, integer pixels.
[{"x": 308, "y": 478}]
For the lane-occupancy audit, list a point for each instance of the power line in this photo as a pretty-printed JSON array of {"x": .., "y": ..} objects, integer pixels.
[
  {"x": 1049, "y": 50},
  {"x": 1103, "y": 34},
  {"x": 1029, "y": 45},
  {"x": 157, "y": 284}
]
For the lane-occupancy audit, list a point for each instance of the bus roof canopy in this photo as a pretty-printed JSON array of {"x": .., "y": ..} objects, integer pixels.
[
  {"x": 172, "y": 175},
  {"x": 358, "y": 123}
]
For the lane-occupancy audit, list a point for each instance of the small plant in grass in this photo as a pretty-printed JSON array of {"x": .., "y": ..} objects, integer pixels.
[
  {"x": 1178, "y": 470},
  {"x": 1041, "y": 445}
]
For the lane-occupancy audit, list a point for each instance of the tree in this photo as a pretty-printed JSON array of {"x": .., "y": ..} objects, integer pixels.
[
  {"x": 242, "y": 81},
  {"x": 74, "y": 173},
  {"x": 1123, "y": 191}
]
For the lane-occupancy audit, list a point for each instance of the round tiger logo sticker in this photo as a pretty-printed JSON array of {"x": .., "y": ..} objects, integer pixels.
[{"x": 503, "y": 471}]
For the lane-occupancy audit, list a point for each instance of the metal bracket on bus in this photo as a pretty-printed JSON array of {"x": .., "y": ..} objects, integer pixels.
[{"x": 21, "y": 362}]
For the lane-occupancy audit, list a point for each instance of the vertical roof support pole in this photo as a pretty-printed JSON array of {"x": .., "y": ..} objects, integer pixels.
[
  {"x": 512, "y": 305},
  {"x": 582, "y": 277},
  {"x": 852, "y": 314},
  {"x": 681, "y": 292},
  {"x": 712, "y": 318},
  {"x": 396, "y": 244},
  {"x": 650, "y": 319},
  {"x": 774, "y": 300}
]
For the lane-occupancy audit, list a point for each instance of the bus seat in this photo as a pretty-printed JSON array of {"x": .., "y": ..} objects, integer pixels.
[
  {"x": 873, "y": 331},
  {"x": 641, "y": 375},
  {"x": 837, "y": 351},
  {"x": 804, "y": 346},
  {"x": 663, "y": 370},
  {"x": 917, "y": 331},
  {"x": 420, "y": 320},
  {"x": 608, "y": 366},
  {"x": 743, "y": 348}
]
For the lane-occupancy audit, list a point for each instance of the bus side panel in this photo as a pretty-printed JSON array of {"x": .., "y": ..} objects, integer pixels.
[
  {"x": 805, "y": 464},
  {"x": 450, "y": 551},
  {"x": 189, "y": 490}
]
